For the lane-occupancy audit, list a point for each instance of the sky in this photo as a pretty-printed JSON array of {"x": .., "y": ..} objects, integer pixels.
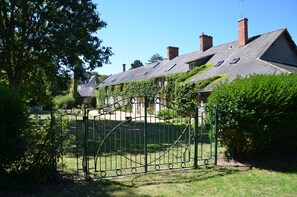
[{"x": 138, "y": 29}]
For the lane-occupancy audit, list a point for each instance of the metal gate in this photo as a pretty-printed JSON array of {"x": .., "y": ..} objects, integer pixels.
[{"x": 142, "y": 134}]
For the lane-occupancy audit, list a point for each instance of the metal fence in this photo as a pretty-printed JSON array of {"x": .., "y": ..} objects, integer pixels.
[{"x": 138, "y": 135}]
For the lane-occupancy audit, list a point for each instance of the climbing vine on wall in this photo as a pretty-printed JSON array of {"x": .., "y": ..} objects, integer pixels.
[
  {"x": 186, "y": 93},
  {"x": 177, "y": 87},
  {"x": 148, "y": 87}
]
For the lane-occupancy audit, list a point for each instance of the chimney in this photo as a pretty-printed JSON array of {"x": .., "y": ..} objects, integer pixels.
[
  {"x": 242, "y": 31},
  {"x": 205, "y": 42},
  {"x": 124, "y": 67},
  {"x": 172, "y": 52}
]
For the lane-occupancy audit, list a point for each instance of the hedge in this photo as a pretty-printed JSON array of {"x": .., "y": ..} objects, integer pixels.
[
  {"x": 13, "y": 121},
  {"x": 257, "y": 115}
]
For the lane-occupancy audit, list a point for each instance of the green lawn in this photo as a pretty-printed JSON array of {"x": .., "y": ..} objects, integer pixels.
[{"x": 278, "y": 180}]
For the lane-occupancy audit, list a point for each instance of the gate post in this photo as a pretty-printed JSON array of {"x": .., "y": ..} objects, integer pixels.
[
  {"x": 216, "y": 134},
  {"x": 53, "y": 155},
  {"x": 85, "y": 155},
  {"x": 145, "y": 133},
  {"x": 196, "y": 137}
]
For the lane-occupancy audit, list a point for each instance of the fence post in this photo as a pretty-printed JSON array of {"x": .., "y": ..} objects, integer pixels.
[
  {"x": 196, "y": 137},
  {"x": 53, "y": 155},
  {"x": 85, "y": 145},
  {"x": 145, "y": 133},
  {"x": 216, "y": 134}
]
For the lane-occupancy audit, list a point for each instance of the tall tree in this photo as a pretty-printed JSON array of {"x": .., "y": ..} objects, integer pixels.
[
  {"x": 136, "y": 64},
  {"x": 155, "y": 58},
  {"x": 50, "y": 35},
  {"x": 100, "y": 77}
]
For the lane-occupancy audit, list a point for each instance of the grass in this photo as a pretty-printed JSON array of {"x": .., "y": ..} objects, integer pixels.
[{"x": 279, "y": 179}]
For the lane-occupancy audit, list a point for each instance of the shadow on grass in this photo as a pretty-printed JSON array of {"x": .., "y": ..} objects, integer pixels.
[
  {"x": 124, "y": 186},
  {"x": 70, "y": 187},
  {"x": 279, "y": 163},
  {"x": 181, "y": 176}
]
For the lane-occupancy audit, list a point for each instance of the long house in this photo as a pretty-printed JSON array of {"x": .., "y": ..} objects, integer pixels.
[{"x": 269, "y": 53}]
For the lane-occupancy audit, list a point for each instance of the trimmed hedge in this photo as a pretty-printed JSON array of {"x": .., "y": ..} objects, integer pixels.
[{"x": 257, "y": 115}]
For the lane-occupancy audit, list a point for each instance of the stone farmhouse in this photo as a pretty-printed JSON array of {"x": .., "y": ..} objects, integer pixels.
[{"x": 269, "y": 53}]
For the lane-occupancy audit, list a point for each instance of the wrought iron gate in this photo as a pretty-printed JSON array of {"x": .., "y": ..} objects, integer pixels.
[{"x": 141, "y": 134}]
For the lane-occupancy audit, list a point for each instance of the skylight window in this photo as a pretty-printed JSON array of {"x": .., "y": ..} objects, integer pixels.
[
  {"x": 219, "y": 63},
  {"x": 114, "y": 80},
  {"x": 234, "y": 61},
  {"x": 129, "y": 77},
  {"x": 168, "y": 69},
  {"x": 157, "y": 64},
  {"x": 145, "y": 73}
]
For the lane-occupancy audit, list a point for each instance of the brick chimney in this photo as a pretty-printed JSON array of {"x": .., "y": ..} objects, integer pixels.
[
  {"x": 242, "y": 31},
  {"x": 172, "y": 52},
  {"x": 205, "y": 42},
  {"x": 124, "y": 67}
]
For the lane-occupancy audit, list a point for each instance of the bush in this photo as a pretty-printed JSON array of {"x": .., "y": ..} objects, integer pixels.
[
  {"x": 257, "y": 115},
  {"x": 60, "y": 101},
  {"x": 167, "y": 114},
  {"x": 13, "y": 120}
]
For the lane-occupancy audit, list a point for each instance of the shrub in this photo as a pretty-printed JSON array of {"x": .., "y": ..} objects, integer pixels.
[
  {"x": 13, "y": 119},
  {"x": 59, "y": 101},
  {"x": 257, "y": 115},
  {"x": 28, "y": 146},
  {"x": 167, "y": 114}
]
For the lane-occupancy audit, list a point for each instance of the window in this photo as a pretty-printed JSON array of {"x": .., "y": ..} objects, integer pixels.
[
  {"x": 129, "y": 77},
  {"x": 157, "y": 64},
  {"x": 219, "y": 63},
  {"x": 168, "y": 69},
  {"x": 234, "y": 61}
]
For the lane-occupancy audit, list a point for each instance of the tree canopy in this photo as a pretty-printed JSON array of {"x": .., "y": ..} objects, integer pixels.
[
  {"x": 155, "y": 58},
  {"x": 136, "y": 64},
  {"x": 53, "y": 36}
]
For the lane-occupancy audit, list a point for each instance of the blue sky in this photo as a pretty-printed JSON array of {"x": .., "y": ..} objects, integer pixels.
[{"x": 138, "y": 29}]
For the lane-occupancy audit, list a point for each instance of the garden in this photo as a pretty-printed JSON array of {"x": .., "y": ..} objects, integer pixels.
[{"x": 257, "y": 152}]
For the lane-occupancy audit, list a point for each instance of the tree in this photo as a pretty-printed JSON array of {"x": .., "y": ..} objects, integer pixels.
[
  {"x": 155, "y": 58},
  {"x": 100, "y": 77},
  {"x": 53, "y": 36},
  {"x": 136, "y": 64}
]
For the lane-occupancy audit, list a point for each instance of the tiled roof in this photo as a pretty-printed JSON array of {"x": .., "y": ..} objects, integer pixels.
[{"x": 249, "y": 62}]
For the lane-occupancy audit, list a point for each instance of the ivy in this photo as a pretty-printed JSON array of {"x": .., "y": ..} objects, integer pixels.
[
  {"x": 186, "y": 93},
  {"x": 101, "y": 95},
  {"x": 177, "y": 87},
  {"x": 135, "y": 88}
]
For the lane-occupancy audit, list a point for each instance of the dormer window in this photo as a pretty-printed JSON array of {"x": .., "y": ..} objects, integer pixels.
[
  {"x": 235, "y": 60},
  {"x": 219, "y": 63},
  {"x": 199, "y": 61}
]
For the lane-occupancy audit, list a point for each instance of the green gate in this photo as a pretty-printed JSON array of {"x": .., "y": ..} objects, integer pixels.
[
  {"x": 137, "y": 135},
  {"x": 141, "y": 134}
]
